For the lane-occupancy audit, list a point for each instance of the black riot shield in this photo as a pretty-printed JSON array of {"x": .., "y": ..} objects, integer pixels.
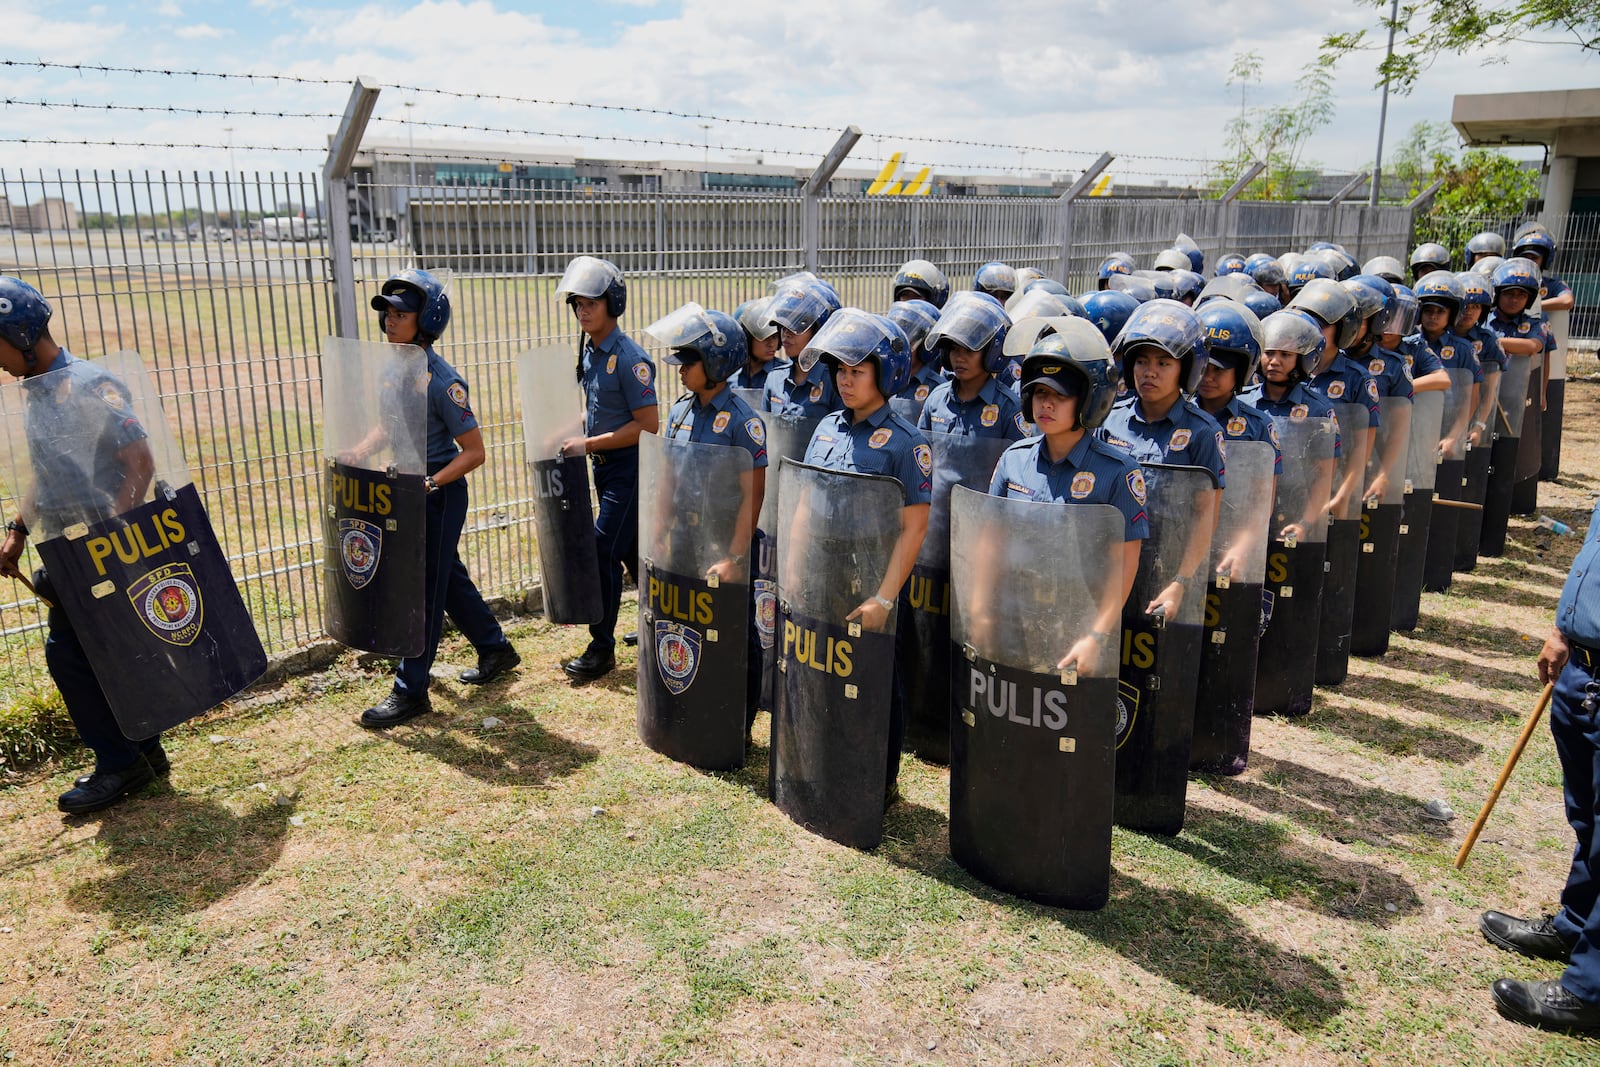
[
  {"x": 923, "y": 647},
  {"x": 374, "y": 522},
  {"x": 694, "y": 607},
  {"x": 1344, "y": 544},
  {"x": 1530, "y": 443},
  {"x": 1037, "y": 599},
  {"x": 1381, "y": 516},
  {"x": 130, "y": 556},
  {"x": 1450, "y": 482},
  {"x": 1291, "y": 598},
  {"x": 1226, "y": 691},
  {"x": 787, "y": 438},
  {"x": 1507, "y": 426},
  {"x": 830, "y": 715},
  {"x": 1478, "y": 448},
  {"x": 1416, "y": 515},
  {"x": 1161, "y": 649},
  {"x": 563, "y": 509}
]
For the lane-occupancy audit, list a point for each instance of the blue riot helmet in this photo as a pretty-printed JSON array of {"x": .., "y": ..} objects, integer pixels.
[
  {"x": 1171, "y": 259},
  {"x": 1197, "y": 259},
  {"x": 1255, "y": 259},
  {"x": 1049, "y": 285},
  {"x": 999, "y": 280},
  {"x": 1332, "y": 305},
  {"x": 1371, "y": 304},
  {"x": 1380, "y": 286},
  {"x": 1072, "y": 359},
  {"x": 1115, "y": 263},
  {"x": 693, "y": 334},
  {"x": 1055, "y": 289},
  {"x": 1187, "y": 285},
  {"x": 594, "y": 278},
  {"x": 1261, "y": 303},
  {"x": 799, "y": 308},
  {"x": 1109, "y": 311},
  {"x": 1141, "y": 289},
  {"x": 1487, "y": 265},
  {"x": 1531, "y": 226},
  {"x": 24, "y": 314},
  {"x": 1402, "y": 318},
  {"x": 1487, "y": 243},
  {"x": 1429, "y": 256},
  {"x": 1518, "y": 273},
  {"x": 1266, "y": 271},
  {"x": 923, "y": 280},
  {"x": 1173, "y": 328},
  {"x": 1234, "y": 286},
  {"x": 1306, "y": 268},
  {"x": 755, "y": 318},
  {"x": 853, "y": 336},
  {"x": 1386, "y": 267},
  {"x": 915, "y": 318},
  {"x": 1536, "y": 241},
  {"x": 972, "y": 322},
  {"x": 1233, "y": 338},
  {"x": 805, "y": 277},
  {"x": 1340, "y": 262},
  {"x": 1024, "y": 276},
  {"x": 418, "y": 291},
  {"x": 1162, "y": 282},
  {"x": 1230, "y": 263},
  {"x": 1039, "y": 303},
  {"x": 1443, "y": 288},
  {"x": 1475, "y": 289},
  {"x": 1296, "y": 332}
]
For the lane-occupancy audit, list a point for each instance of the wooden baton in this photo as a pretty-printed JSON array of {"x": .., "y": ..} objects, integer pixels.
[{"x": 1505, "y": 773}]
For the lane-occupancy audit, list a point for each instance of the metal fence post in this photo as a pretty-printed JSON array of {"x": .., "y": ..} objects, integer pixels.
[
  {"x": 336, "y": 184},
  {"x": 1067, "y": 199},
  {"x": 1335, "y": 201},
  {"x": 811, "y": 196},
  {"x": 1230, "y": 200}
]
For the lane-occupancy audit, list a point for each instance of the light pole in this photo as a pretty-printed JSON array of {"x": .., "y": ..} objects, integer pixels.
[
  {"x": 411, "y": 145},
  {"x": 1383, "y": 111},
  {"x": 705, "y": 138}
]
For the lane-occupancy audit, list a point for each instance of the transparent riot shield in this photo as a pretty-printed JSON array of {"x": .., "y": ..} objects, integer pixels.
[
  {"x": 924, "y": 645},
  {"x": 1449, "y": 482},
  {"x": 374, "y": 522},
  {"x": 830, "y": 715},
  {"x": 908, "y": 408},
  {"x": 1344, "y": 543},
  {"x": 1036, "y": 607},
  {"x": 563, "y": 509},
  {"x": 696, "y": 523},
  {"x": 1383, "y": 498},
  {"x": 1422, "y": 471},
  {"x": 1225, "y": 694},
  {"x": 1479, "y": 447},
  {"x": 1162, "y": 631},
  {"x": 1530, "y": 440},
  {"x": 1291, "y": 598},
  {"x": 1506, "y": 426},
  {"x": 131, "y": 561}
]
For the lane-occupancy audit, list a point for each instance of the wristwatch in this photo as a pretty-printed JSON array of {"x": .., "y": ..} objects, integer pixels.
[
  {"x": 427, "y": 480},
  {"x": 17, "y": 526},
  {"x": 885, "y": 603}
]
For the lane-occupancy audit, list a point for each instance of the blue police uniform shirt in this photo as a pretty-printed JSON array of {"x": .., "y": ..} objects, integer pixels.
[
  {"x": 1390, "y": 372},
  {"x": 1298, "y": 403},
  {"x": 1420, "y": 359},
  {"x": 1093, "y": 472},
  {"x": 726, "y": 420},
  {"x": 1455, "y": 353},
  {"x": 78, "y": 417},
  {"x": 1185, "y": 435},
  {"x": 1550, "y": 286},
  {"x": 744, "y": 379},
  {"x": 1344, "y": 382},
  {"x": 882, "y": 443},
  {"x": 618, "y": 378},
  {"x": 994, "y": 412},
  {"x": 811, "y": 397},
  {"x": 1486, "y": 345},
  {"x": 1578, "y": 610},
  {"x": 1010, "y": 375},
  {"x": 1521, "y": 326},
  {"x": 1241, "y": 422},
  {"x": 449, "y": 412},
  {"x": 922, "y": 384}
]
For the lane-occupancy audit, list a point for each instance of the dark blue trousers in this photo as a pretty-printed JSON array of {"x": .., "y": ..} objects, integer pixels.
[
  {"x": 616, "y": 532},
  {"x": 448, "y": 588},
  {"x": 1577, "y": 735}
]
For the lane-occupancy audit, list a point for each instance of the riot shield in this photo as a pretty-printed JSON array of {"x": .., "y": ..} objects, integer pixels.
[
  {"x": 1381, "y": 511},
  {"x": 130, "y": 554},
  {"x": 694, "y": 604},
  {"x": 1449, "y": 483},
  {"x": 1507, "y": 426},
  {"x": 1475, "y": 479},
  {"x": 1416, "y": 516},
  {"x": 907, "y": 407},
  {"x": 1344, "y": 544},
  {"x": 1291, "y": 598},
  {"x": 1161, "y": 650},
  {"x": 563, "y": 509},
  {"x": 830, "y": 714},
  {"x": 1226, "y": 690},
  {"x": 1530, "y": 443},
  {"x": 374, "y": 521},
  {"x": 1032, "y": 726},
  {"x": 923, "y": 651}
]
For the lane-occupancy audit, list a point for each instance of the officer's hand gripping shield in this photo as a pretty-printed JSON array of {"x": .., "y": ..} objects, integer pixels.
[
  {"x": 924, "y": 652},
  {"x": 1291, "y": 598},
  {"x": 563, "y": 510},
  {"x": 1506, "y": 425},
  {"x": 1450, "y": 481},
  {"x": 1226, "y": 692},
  {"x": 1161, "y": 648},
  {"x": 1344, "y": 543},
  {"x": 1416, "y": 516},
  {"x": 696, "y": 515},
  {"x": 130, "y": 555},
  {"x": 830, "y": 716},
  {"x": 374, "y": 522},
  {"x": 1382, "y": 508},
  {"x": 1033, "y": 698}
]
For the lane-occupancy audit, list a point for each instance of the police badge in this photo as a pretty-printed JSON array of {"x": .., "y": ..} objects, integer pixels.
[
  {"x": 168, "y": 601},
  {"x": 360, "y": 545},
  {"x": 677, "y": 655}
]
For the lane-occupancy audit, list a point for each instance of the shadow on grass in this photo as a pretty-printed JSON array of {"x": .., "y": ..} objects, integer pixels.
[
  {"x": 1422, "y": 694},
  {"x": 1332, "y": 806},
  {"x": 516, "y": 754},
  {"x": 1389, "y": 735},
  {"x": 172, "y": 854},
  {"x": 1496, "y": 589}
]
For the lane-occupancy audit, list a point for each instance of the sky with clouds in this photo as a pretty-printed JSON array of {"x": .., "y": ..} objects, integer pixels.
[{"x": 1141, "y": 79}]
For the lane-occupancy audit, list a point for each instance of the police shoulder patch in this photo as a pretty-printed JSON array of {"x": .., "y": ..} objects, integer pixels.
[
  {"x": 816, "y": 392},
  {"x": 1022, "y": 423},
  {"x": 641, "y": 371},
  {"x": 458, "y": 394},
  {"x": 1136, "y": 484},
  {"x": 756, "y": 429},
  {"x": 880, "y": 437},
  {"x": 1272, "y": 432},
  {"x": 1372, "y": 389},
  {"x": 720, "y": 423},
  {"x": 114, "y": 397},
  {"x": 924, "y": 457}
]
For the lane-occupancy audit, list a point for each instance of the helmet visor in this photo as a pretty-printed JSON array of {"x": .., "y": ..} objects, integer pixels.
[
  {"x": 587, "y": 276},
  {"x": 685, "y": 328},
  {"x": 850, "y": 336}
]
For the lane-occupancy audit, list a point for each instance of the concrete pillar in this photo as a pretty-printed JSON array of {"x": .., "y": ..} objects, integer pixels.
[{"x": 1557, "y": 207}]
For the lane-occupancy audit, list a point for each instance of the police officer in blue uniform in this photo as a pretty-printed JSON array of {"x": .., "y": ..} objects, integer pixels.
[
  {"x": 799, "y": 310},
  {"x": 1289, "y": 347},
  {"x": 761, "y": 345},
  {"x": 1339, "y": 316},
  {"x": 413, "y": 309},
  {"x": 1439, "y": 300},
  {"x": 1571, "y": 660},
  {"x": 969, "y": 342},
  {"x": 1233, "y": 351},
  {"x": 915, "y": 318},
  {"x": 918, "y": 279},
  {"x": 619, "y": 386},
  {"x": 119, "y": 476},
  {"x": 999, "y": 280}
]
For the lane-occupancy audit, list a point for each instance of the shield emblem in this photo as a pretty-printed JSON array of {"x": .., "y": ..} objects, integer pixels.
[
  {"x": 677, "y": 655},
  {"x": 1127, "y": 709},
  {"x": 766, "y": 610},
  {"x": 360, "y": 545},
  {"x": 168, "y": 602},
  {"x": 1267, "y": 598}
]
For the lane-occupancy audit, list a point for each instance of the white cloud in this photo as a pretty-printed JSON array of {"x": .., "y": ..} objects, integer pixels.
[
  {"x": 199, "y": 31},
  {"x": 169, "y": 9}
]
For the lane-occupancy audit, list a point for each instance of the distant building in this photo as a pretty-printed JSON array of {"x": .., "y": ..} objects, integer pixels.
[{"x": 51, "y": 213}]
